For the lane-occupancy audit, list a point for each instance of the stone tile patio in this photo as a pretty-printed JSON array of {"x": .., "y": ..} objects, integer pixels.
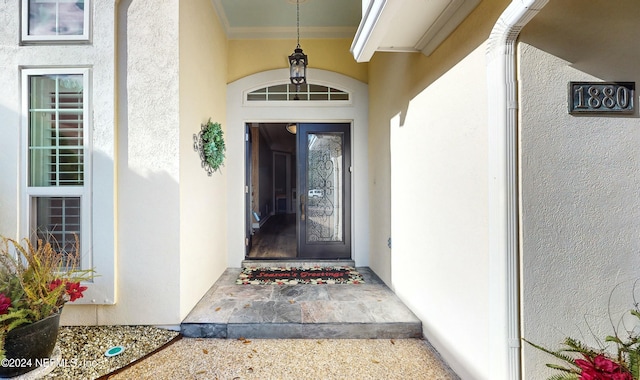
[{"x": 369, "y": 310}]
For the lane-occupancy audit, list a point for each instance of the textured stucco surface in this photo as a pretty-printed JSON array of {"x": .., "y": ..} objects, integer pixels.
[
  {"x": 579, "y": 175},
  {"x": 203, "y": 211},
  {"x": 146, "y": 198},
  {"x": 439, "y": 214},
  {"x": 428, "y": 182},
  {"x": 170, "y": 221},
  {"x": 98, "y": 56}
]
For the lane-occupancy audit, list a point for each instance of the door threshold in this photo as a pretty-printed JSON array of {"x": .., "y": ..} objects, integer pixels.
[{"x": 295, "y": 262}]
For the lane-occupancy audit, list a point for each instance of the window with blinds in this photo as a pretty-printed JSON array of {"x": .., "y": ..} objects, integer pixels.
[
  {"x": 56, "y": 157},
  {"x": 59, "y": 218},
  {"x": 288, "y": 92},
  {"x": 56, "y": 125}
]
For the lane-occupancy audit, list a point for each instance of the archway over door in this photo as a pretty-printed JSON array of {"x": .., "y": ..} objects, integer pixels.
[{"x": 240, "y": 112}]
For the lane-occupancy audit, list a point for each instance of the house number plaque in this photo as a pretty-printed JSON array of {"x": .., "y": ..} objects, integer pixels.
[{"x": 602, "y": 97}]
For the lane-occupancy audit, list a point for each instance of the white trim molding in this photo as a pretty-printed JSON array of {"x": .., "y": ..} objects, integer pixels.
[
  {"x": 425, "y": 25},
  {"x": 96, "y": 234},
  {"x": 85, "y": 37},
  {"x": 367, "y": 36},
  {"x": 504, "y": 300}
]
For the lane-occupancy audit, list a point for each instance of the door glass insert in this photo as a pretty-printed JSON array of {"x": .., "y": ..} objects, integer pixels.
[{"x": 325, "y": 165}]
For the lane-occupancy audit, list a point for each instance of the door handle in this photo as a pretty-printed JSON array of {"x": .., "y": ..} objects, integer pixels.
[{"x": 302, "y": 208}]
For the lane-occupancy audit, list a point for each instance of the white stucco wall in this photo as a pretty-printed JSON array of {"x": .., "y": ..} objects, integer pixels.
[
  {"x": 439, "y": 213},
  {"x": 580, "y": 176},
  {"x": 432, "y": 112},
  {"x": 203, "y": 211},
  {"x": 9, "y": 119},
  {"x": 170, "y": 215},
  {"x": 581, "y": 210},
  {"x": 148, "y": 165},
  {"x": 98, "y": 57}
]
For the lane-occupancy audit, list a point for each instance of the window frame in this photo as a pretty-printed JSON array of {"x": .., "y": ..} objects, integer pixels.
[
  {"x": 84, "y": 191},
  {"x": 331, "y": 88},
  {"x": 26, "y": 38}
]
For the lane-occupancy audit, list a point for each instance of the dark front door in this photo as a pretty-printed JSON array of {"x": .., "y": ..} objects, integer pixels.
[
  {"x": 324, "y": 188},
  {"x": 248, "y": 230}
]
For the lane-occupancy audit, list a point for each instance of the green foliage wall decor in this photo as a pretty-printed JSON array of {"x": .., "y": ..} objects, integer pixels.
[{"x": 209, "y": 142}]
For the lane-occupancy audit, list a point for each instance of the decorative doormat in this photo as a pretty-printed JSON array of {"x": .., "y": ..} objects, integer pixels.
[{"x": 299, "y": 275}]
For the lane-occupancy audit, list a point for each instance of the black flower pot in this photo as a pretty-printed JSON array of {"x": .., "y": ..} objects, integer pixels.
[{"x": 30, "y": 346}]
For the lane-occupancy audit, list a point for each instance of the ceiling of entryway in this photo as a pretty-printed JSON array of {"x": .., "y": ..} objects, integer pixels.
[
  {"x": 386, "y": 25},
  {"x": 277, "y": 137},
  {"x": 277, "y": 18}
]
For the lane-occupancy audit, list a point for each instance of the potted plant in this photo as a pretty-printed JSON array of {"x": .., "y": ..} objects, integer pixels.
[{"x": 35, "y": 283}]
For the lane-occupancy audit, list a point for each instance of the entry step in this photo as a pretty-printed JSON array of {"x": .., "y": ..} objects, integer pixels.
[{"x": 353, "y": 311}]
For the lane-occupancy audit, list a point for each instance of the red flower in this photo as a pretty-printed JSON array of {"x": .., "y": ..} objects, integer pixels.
[
  {"x": 54, "y": 284},
  {"x": 606, "y": 365},
  {"x": 621, "y": 376},
  {"x": 602, "y": 368},
  {"x": 5, "y": 303},
  {"x": 74, "y": 290}
]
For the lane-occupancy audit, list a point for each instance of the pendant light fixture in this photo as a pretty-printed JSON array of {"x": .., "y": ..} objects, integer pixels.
[{"x": 298, "y": 60}]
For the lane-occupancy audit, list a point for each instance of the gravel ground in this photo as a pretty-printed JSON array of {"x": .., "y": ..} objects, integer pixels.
[
  {"x": 196, "y": 358},
  {"x": 83, "y": 349}
]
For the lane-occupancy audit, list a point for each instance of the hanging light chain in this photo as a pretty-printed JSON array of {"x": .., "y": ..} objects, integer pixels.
[
  {"x": 298, "y": 60},
  {"x": 298, "y": 20}
]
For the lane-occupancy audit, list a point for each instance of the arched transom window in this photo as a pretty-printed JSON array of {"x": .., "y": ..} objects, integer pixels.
[{"x": 287, "y": 92}]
